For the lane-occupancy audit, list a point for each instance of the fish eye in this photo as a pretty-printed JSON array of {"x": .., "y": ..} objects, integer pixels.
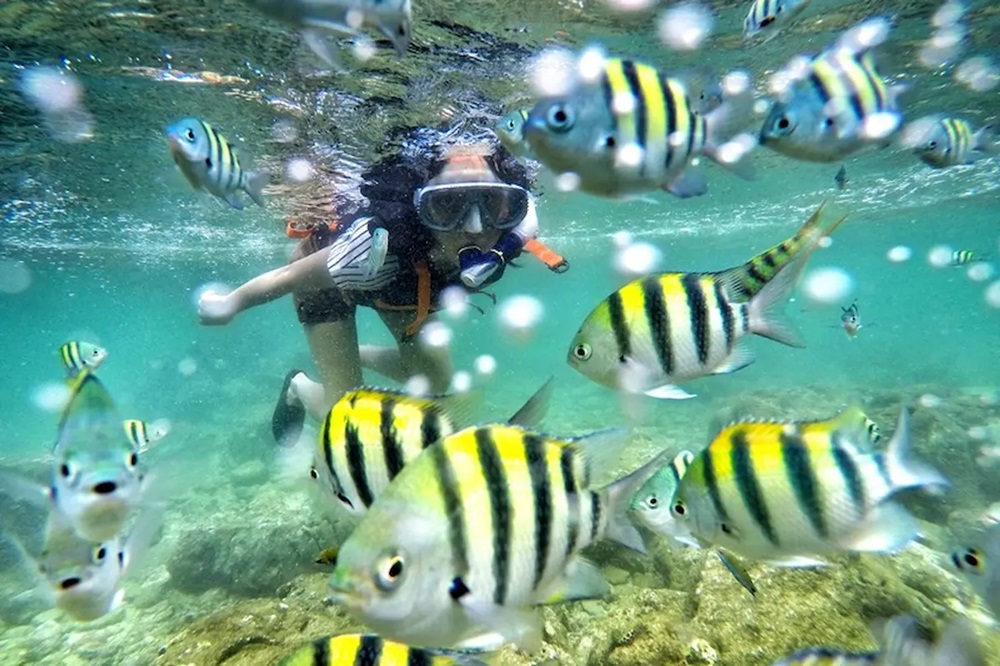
[
  {"x": 132, "y": 459},
  {"x": 389, "y": 572},
  {"x": 652, "y": 501},
  {"x": 931, "y": 145},
  {"x": 970, "y": 559},
  {"x": 726, "y": 529},
  {"x": 784, "y": 123},
  {"x": 65, "y": 470},
  {"x": 609, "y": 141},
  {"x": 313, "y": 474},
  {"x": 190, "y": 134},
  {"x": 100, "y": 553},
  {"x": 559, "y": 118},
  {"x": 582, "y": 351},
  {"x": 679, "y": 509}
]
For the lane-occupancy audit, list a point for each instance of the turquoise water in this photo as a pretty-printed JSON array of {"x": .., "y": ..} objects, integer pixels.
[{"x": 116, "y": 246}]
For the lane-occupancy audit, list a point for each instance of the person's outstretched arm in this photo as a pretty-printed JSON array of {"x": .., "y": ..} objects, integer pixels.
[{"x": 306, "y": 274}]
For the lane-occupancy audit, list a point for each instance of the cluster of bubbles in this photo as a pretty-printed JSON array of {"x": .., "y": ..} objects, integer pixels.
[
  {"x": 945, "y": 45},
  {"x": 57, "y": 95},
  {"x": 15, "y": 276}
]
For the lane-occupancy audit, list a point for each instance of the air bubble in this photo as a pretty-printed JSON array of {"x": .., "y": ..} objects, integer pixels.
[
  {"x": 978, "y": 73},
  {"x": 418, "y": 386},
  {"x": 15, "y": 276},
  {"x": 899, "y": 254},
  {"x": 461, "y": 382},
  {"x": 623, "y": 103},
  {"x": 980, "y": 271},
  {"x": 880, "y": 125},
  {"x": 630, "y": 5},
  {"x": 940, "y": 256},
  {"x": 629, "y": 156},
  {"x": 591, "y": 65},
  {"x": 58, "y": 96},
  {"x": 455, "y": 302},
  {"x": 299, "y": 170},
  {"x": 187, "y": 366},
  {"x": 685, "y": 26},
  {"x": 520, "y": 314},
  {"x": 828, "y": 285},
  {"x": 364, "y": 48},
  {"x": 637, "y": 259},
  {"x": 568, "y": 182},
  {"x": 553, "y": 72},
  {"x": 992, "y": 295},
  {"x": 930, "y": 401},
  {"x": 51, "y": 397},
  {"x": 486, "y": 364},
  {"x": 435, "y": 334}
]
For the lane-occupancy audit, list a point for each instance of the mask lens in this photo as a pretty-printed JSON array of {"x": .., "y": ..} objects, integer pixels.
[{"x": 445, "y": 207}]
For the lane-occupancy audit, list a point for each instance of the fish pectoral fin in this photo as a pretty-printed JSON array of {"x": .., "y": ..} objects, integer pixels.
[
  {"x": 19, "y": 488},
  {"x": 888, "y": 528},
  {"x": 256, "y": 181},
  {"x": 582, "y": 579},
  {"x": 318, "y": 45},
  {"x": 688, "y": 183},
  {"x": 669, "y": 392},
  {"x": 234, "y": 200},
  {"x": 797, "y": 562},
  {"x": 520, "y": 626},
  {"x": 740, "y": 358}
]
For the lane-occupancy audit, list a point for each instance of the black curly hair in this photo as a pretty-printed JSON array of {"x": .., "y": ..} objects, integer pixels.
[{"x": 389, "y": 184}]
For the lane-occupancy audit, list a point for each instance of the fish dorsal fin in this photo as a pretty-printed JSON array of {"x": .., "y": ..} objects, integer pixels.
[{"x": 89, "y": 408}]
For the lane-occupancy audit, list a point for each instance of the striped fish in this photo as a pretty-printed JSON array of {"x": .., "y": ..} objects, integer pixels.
[
  {"x": 850, "y": 320},
  {"x": 377, "y": 252},
  {"x": 142, "y": 435},
  {"x": 840, "y": 104},
  {"x": 510, "y": 131},
  {"x": 371, "y": 434},
  {"x": 479, "y": 529},
  {"x": 791, "y": 493},
  {"x": 963, "y": 257},
  {"x": 979, "y": 562},
  {"x": 371, "y": 650},
  {"x": 828, "y": 657},
  {"x": 650, "y": 505},
  {"x": 78, "y": 355},
  {"x": 208, "y": 162},
  {"x": 767, "y": 17},
  {"x": 633, "y": 129},
  {"x": 951, "y": 141},
  {"x": 673, "y": 327}
]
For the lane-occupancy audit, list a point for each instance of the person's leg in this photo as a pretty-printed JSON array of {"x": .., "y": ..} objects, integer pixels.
[
  {"x": 334, "y": 348},
  {"x": 412, "y": 358}
]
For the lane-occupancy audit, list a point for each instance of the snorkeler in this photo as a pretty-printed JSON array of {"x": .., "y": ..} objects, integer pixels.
[{"x": 454, "y": 213}]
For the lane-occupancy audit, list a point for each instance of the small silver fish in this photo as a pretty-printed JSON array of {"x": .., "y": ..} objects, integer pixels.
[
  {"x": 767, "y": 17},
  {"x": 842, "y": 179},
  {"x": 378, "y": 252},
  {"x": 392, "y": 18},
  {"x": 850, "y": 320},
  {"x": 84, "y": 576},
  {"x": 738, "y": 571},
  {"x": 510, "y": 131},
  {"x": 77, "y": 355},
  {"x": 208, "y": 162}
]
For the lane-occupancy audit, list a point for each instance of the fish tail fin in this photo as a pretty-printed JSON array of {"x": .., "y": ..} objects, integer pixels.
[
  {"x": 722, "y": 126},
  {"x": 903, "y": 470},
  {"x": 619, "y": 497},
  {"x": 256, "y": 181},
  {"x": 765, "y": 307},
  {"x": 535, "y": 408},
  {"x": 601, "y": 449},
  {"x": 318, "y": 45},
  {"x": 983, "y": 139},
  {"x": 747, "y": 280}
]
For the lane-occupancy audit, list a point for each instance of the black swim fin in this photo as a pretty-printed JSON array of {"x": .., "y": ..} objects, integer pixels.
[{"x": 288, "y": 419}]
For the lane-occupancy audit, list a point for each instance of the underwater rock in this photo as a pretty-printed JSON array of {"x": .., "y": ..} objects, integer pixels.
[{"x": 250, "y": 473}]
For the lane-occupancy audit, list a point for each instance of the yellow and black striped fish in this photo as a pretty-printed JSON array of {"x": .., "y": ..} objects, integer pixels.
[
  {"x": 78, "y": 355},
  {"x": 673, "y": 327},
  {"x": 142, "y": 435},
  {"x": 963, "y": 257},
  {"x": 371, "y": 434},
  {"x": 371, "y": 650},
  {"x": 841, "y": 104},
  {"x": 766, "y": 17},
  {"x": 951, "y": 141},
  {"x": 208, "y": 162},
  {"x": 828, "y": 657},
  {"x": 633, "y": 129},
  {"x": 792, "y": 493},
  {"x": 480, "y": 528}
]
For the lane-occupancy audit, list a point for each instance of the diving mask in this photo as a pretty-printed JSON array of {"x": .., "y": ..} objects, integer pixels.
[{"x": 445, "y": 207}]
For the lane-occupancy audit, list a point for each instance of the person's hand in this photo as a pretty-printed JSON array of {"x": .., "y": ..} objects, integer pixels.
[{"x": 215, "y": 309}]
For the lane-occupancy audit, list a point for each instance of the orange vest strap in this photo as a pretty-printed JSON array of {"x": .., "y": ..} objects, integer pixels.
[
  {"x": 423, "y": 297},
  {"x": 556, "y": 263}
]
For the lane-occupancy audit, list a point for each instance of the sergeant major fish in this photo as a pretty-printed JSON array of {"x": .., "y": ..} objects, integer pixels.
[
  {"x": 479, "y": 529},
  {"x": 510, "y": 131},
  {"x": 77, "y": 355},
  {"x": 951, "y": 141},
  {"x": 208, "y": 162},
  {"x": 767, "y": 17},
  {"x": 634, "y": 129},
  {"x": 850, "y": 320},
  {"x": 370, "y": 435},
  {"x": 792, "y": 493},
  {"x": 664, "y": 329},
  {"x": 142, "y": 435},
  {"x": 963, "y": 258},
  {"x": 391, "y": 18},
  {"x": 837, "y": 104},
  {"x": 372, "y": 650},
  {"x": 979, "y": 563}
]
